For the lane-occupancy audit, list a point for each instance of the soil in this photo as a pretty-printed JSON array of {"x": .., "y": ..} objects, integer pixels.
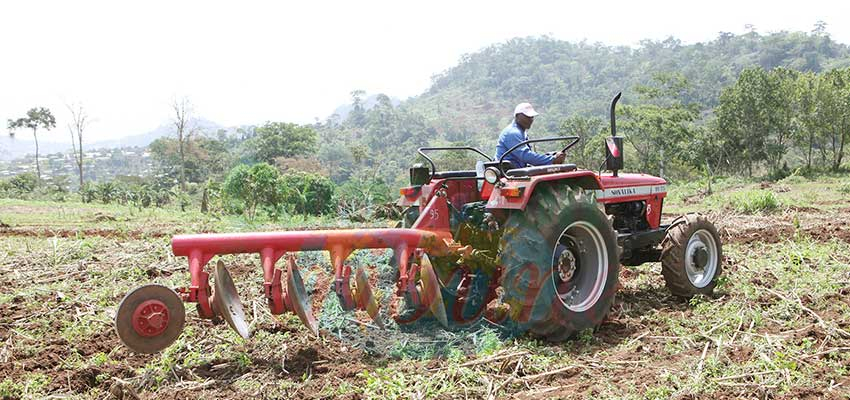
[{"x": 620, "y": 352}]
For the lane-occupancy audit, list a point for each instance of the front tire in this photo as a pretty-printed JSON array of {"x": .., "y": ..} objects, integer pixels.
[
  {"x": 560, "y": 263},
  {"x": 691, "y": 255}
]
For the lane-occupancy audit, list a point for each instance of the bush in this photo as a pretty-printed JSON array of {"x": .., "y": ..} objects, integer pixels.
[
  {"x": 24, "y": 183},
  {"x": 249, "y": 187},
  {"x": 88, "y": 192},
  {"x": 361, "y": 193},
  {"x": 793, "y": 180},
  {"x": 754, "y": 201},
  {"x": 107, "y": 192},
  {"x": 306, "y": 193}
]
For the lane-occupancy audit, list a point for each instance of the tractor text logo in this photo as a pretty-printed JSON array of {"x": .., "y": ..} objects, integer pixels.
[
  {"x": 623, "y": 192},
  {"x": 434, "y": 214}
]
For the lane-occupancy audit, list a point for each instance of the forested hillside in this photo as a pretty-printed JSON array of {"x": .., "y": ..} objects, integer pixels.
[
  {"x": 564, "y": 78},
  {"x": 471, "y": 102}
]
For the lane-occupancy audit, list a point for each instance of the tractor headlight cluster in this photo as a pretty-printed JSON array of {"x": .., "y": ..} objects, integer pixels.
[{"x": 491, "y": 175}]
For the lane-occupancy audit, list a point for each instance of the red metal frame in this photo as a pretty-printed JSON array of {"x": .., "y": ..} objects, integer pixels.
[
  {"x": 585, "y": 178},
  {"x": 431, "y": 233},
  {"x": 463, "y": 191}
]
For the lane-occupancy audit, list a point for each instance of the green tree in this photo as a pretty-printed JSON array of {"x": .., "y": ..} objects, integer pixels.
[
  {"x": 203, "y": 158},
  {"x": 280, "y": 139},
  {"x": 357, "y": 115},
  {"x": 24, "y": 183},
  {"x": 252, "y": 187},
  {"x": 834, "y": 107},
  {"x": 661, "y": 124},
  {"x": 753, "y": 117},
  {"x": 807, "y": 123},
  {"x": 306, "y": 193},
  {"x": 39, "y": 117},
  {"x": 360, "y": 193},
  {"x": 587, "y": 151}
]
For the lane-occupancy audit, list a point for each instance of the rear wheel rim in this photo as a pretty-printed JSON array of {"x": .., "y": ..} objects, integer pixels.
[
  {"x": 586, "y": 282},
  {"x": 701, "y": 276}
]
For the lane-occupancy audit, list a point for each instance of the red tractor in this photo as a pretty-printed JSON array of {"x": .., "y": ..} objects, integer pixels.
[{"x": 546, "y": 241}]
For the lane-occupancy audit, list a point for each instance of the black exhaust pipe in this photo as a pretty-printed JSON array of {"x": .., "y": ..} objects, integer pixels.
[
  {"x": 614, "y": 144},
  {"x": 613, "y": 116}
]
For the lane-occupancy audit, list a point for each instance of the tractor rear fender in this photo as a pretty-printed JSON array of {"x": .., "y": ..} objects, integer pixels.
[
  {"x": 458, "y": 192},
  {"x": 513, "y": 194}
]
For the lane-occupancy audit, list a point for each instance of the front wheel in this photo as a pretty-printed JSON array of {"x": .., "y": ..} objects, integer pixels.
[
  {"x": 560, "y": 263},
  {"x": 690, "y": 256}
]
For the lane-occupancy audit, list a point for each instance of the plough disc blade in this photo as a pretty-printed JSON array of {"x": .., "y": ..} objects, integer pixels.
[
  {"x": 366, "y": 298},
  {"x": 150, "y": 318},
  {"x": 226, "y": 301},
  {"x": 432, "y": 296},
  {"x": 298, "y": 298}
]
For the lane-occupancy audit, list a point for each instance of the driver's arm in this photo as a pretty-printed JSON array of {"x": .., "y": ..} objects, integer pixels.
[
  {"x": 559, "y": 157},
  {"x": 524, "y": 154}
]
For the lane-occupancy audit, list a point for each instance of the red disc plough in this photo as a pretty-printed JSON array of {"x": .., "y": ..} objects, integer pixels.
[{"x": 429, "y": 235}]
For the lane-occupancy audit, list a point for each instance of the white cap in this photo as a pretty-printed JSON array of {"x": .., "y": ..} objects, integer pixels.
[{"x": 526, "y": 109}]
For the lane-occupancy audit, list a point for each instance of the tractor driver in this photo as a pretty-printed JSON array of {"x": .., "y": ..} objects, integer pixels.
[{"x": 517, "y": 132}]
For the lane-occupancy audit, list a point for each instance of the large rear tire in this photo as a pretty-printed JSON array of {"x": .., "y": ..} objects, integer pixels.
[
  {"x": 691, "y": 255},
  {"x": 560, "y": 263}
]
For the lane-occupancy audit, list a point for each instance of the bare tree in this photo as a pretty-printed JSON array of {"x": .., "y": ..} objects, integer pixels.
[
  {"x": 79, "y": 122},
  {"x": 182, "y": 124}
]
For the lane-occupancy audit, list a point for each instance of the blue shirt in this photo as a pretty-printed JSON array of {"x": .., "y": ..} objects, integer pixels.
[{"x": 523, "y": 156}]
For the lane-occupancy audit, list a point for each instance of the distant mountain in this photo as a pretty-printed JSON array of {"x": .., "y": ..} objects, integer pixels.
[
  {"x": 165, "y": 130},
  {"x": 22, "y": 144}
]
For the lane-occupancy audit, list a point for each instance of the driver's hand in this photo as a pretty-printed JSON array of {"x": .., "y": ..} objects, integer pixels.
[{"x": 559, "y": 157}]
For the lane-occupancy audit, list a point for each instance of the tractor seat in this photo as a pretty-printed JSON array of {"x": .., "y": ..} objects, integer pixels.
[
  {"x": 454, "y": 174},
  {"x": 540, "y": 170},
  {"x": 506, "y": 165}
]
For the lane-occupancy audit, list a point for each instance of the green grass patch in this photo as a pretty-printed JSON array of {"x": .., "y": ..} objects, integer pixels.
[{"x": 753, "y": 201}]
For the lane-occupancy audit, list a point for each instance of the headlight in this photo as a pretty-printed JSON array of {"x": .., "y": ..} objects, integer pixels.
[{"x": 491, "y": 175}]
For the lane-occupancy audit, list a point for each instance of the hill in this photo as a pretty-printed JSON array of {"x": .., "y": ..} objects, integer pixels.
[{"x": 475, "y": 98}]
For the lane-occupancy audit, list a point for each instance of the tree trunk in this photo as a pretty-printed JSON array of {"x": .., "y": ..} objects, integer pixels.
[
  {"x": 37, "y": 167},
  {"x": 661, "y": 174},
  {"x": 80, "y": 160},
  {"x": 182, "y": 162},
  {"x": 811, "y": 146},
  {"x": 834, "y": 150},
  {"x": 840, "y": 154},
  {"x": 205, "y": 200},
  {"x": 78, "y": 155}
]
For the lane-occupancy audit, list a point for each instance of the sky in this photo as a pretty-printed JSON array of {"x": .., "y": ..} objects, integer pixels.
[{"x": 247, "y": 62}]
